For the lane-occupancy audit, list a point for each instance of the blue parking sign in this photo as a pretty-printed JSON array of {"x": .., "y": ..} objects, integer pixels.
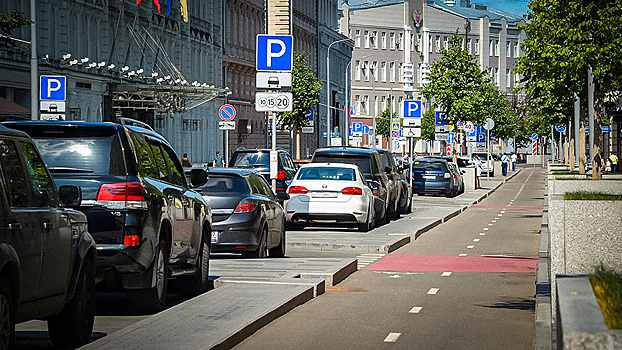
[
  {"x": 275, "y": 53},
  {"x": 412, "y": 109},
  {"x": 52, "y": 88}
]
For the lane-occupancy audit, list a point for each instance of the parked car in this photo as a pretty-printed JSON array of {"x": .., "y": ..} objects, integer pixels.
[
  {"x": 395, "y": 187},
  {"x": 456, "y": 174},
  {"x": 432, "y": 176},
  {"x": 259, "y": 160},
  {"x": 247, "y": 217},
  {"x": 462, "y": 162},
  {"x": 400, "y": 183},
  {"x": 47, "y": 256},
  {"x": 489, "y": 166},
  {"x": 148, "y": 223},
  {"x": 330, "y": 194},
  {"x": 370, "y": 163}
]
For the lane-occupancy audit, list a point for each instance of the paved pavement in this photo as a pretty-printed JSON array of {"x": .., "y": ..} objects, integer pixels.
[{"x": 249, "y": 293}]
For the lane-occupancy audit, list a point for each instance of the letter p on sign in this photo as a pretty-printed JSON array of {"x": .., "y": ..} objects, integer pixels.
[
  {"x": 412, "y": 109},
  {"x": 52, "y": 88},
  {"x": 275, "y": 53}
]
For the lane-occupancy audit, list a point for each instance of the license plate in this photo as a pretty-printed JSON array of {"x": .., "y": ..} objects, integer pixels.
[
  {"x": 324, "y": 195},
  {"x": 429, "y": 177},
  {"x": 215, "y": 235}
]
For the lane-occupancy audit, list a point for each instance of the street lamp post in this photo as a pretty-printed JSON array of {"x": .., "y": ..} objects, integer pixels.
[{"x": 328, "y": 138}]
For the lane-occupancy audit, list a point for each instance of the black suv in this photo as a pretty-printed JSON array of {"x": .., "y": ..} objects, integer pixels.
[
  {"x": 259, "y": 159},
  {"x": 401, "y": 195},
  {"x": 370, "y": 162},
  {"x": 147, "y": 222},
  {"x": 47, "y": 257}
]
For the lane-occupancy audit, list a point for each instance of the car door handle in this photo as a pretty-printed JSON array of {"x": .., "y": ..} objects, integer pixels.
[
  {"x": 48, "y": 225},
  {"x": 15, "y": 226}
]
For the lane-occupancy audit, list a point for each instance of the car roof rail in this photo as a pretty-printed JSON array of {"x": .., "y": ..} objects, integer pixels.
[{"x": 134, "y": 122}]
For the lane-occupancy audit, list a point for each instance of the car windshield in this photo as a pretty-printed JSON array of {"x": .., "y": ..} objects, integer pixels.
[
  {"x": 429, "y": 166},
  {"x": 363, "y": 162},
  {"x": 327, "y": 173},
  {"x": 224, "y": 184},
  {"x": 250, "y": 160},
  {"x": 93, "y": 155}
]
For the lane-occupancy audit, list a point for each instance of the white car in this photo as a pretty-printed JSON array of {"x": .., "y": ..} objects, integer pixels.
[{"x": 330, "y": 194}]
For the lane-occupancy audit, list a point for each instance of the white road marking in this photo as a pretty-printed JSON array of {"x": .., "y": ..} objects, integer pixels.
[
  {"x": 395, "y": 276},
  {"x": 415, "y": 310},
  {"x": 433, "y": 291},
  {"x": 499, "y": 214},
  {"x": 482, "y": 234},
  {"x": 470, "y": 246},
  {"x": 446, "y": 274},
  {"x": 485, "y": 228},
  {"x": 494, "y": 221},
  {"x": 462, "y": 255},
  {"x": 490, "y": 224},
  {"x": 392, "y": 337},
  {"x": 502, "y": 211},
  {"x": 397, "y": 234},
  {"x": 476, "y": 240}
]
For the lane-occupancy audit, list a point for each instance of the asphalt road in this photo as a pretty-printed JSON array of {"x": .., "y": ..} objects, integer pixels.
[{"x": 466, "y": 284}]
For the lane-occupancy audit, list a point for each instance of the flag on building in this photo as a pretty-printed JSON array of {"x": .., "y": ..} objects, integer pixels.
[
  {"x": 184, "y": 10},
  {"x": 156, "y": 2},
  {"x": 169, "y": 6}
]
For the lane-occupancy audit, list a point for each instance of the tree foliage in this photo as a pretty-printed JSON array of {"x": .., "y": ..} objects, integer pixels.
[
  {"x": 383, "y": 123},
  {"x": 564, "y": 38},
  {"x": 8, "y": 24},
  {"x": 306, "y": 94}
]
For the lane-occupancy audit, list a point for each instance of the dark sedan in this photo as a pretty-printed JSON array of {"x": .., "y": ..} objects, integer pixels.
[
  {"x": 432, "y": 176},
  {"x": 247, "y": 217}
]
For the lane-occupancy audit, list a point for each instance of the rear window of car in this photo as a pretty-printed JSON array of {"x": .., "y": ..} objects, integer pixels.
[
  {"x": 363, "y": 162},
  {"x": 225, "y": 184},
  {"x": 430, "y": 166},
  {"x": 97, "y": 155},
  {"x": 326, "y": 173},
  {"x": 250, "y": 159}
]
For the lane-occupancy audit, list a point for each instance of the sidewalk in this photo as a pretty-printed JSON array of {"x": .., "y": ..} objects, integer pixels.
[{"x": 250, "y": 293}]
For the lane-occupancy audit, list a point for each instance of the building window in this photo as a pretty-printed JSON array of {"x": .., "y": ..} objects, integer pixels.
[
  {"x": 469, "y": 48},
  {"x": 365, "y": 71},
  {"x": 496, "y": 48},
  {"x": 418, "y": 77},
  {"x": 366, "y": 38},
  {"x": 384, "y": 41},
  {"x": 357, "y": 104},
  {"x": 508, "y": 50},
  {"x": 383, "y": 72},
  {"x": 365, "y": 105},
  {"x": 392, "y": 72},
  {"x": 516, "y": 79},
  {"x": 401, "y": 72},
  {"x": 412, "y": 42},
  {"x": 430, "y": 43},
  {"x": 400, "y": 42},
  {"x": 357, "y": 70},
  {"x": 476, "y": 48},
  {"x": 374, "y": 69},
  {"x": 445, "y": 43},
  {"x": 357, "y": 38},
  {"x": 516, "y": 50},
  {"x": 491, "y": 48},
  {"x": 507, "y": 78},
  {"x": 437, "y": 44},
  {"x": 392, "y": 41},
  {"x": 374, "y": 39},
  {"x": 419, "y": 43},
  {"x": 383, "y": 103}
]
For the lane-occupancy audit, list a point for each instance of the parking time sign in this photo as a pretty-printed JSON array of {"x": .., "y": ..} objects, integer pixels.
[
  {"x": 52, "y": 88},
  {"x": 275, "y": 53}
]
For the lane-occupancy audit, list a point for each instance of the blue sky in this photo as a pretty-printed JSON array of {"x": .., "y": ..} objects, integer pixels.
[{"x": 518, "y": 7}]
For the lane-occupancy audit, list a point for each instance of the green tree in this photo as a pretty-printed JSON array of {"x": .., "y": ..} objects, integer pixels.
[
  {"x": 383, "y": 123},
  {"x": 564, "y": 38},
  {"x": 427, "y": 125},
  {"x": 306, "y": 94},
  {"x": 8, "y": 24}
]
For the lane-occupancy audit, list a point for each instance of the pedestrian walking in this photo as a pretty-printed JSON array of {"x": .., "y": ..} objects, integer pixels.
[
  {"x": 614, "y": 163},
  {"x": 607, "y": 166},
  {"x": 185, "y": 161},
  {"x": 479, "y": 167},
  {"x": 218, "y": 162},
  {"x": 504, "y": 164},
  {"x": 514, "y": 158}
]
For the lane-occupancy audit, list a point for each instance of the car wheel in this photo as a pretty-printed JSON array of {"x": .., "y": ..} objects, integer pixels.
[
  {"x": 199, "y": 282},
  {"x": 449, "y": 193},
  {"x": 367, "y": 225},
  {"x": 279, "y": 250},
  {"x": 154, "y": 299},
  {"x": 74, "y": 325},
  {"x": 262, "y": 248},
  {"x": 7, "y": 314}
]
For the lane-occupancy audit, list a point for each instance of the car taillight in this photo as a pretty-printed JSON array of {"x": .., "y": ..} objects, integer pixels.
[
  {"x": 245, "y": 206},
  {"x": 122, "y": 195},
  {"x": 281, "y": 175},
  {"x": 131, "y": 240},
  {"x": 354, "y": 191},
  {"x": 447, "y": 175},
  {"x": 297, "y": 190}
]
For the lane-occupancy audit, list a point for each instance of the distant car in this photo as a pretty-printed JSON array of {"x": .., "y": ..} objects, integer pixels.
[
  {"x": 259, "y": 160},
  {"x": 432, "y": 176},
  {"x": 462, "y": 162},
  {"x": 47, "y": 256},
  {"x": 330, "y": 194},
  {"x": 247, "y": 217},
  {"x": 370, "y": 163},
  {"x": 148, "y": 223}
]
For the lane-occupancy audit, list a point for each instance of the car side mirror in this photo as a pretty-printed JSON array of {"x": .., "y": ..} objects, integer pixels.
[
  {"x": 198, "y": 177},
  {"x": 282, "y": 197},
  {"x": 70, "y": 196}
]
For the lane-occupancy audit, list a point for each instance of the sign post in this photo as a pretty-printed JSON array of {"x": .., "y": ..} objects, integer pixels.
[{"x": 488, "y": 125}]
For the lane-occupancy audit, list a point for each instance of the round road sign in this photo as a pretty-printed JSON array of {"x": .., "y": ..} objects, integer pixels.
[
  {"x": 560, "y": 127},
  {"x": 534, "y": 136},
  {"x": 227, "y": 112},
  {"x": 489, "y": 124},
  {"x": 468, "y": 126}
]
